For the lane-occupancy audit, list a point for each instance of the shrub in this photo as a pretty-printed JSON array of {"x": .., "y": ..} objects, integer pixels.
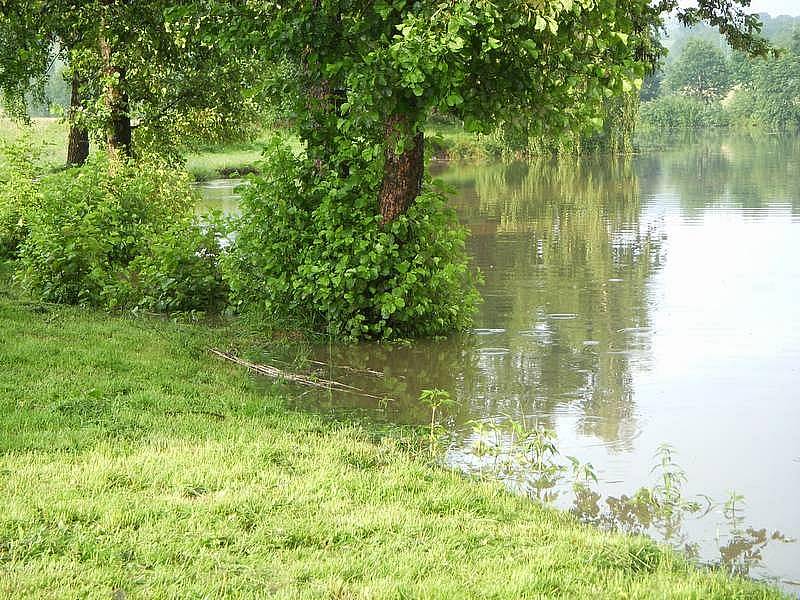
[
  {"x": 743, "y": 107},
  {"x": 681, "y": 112},
  {"x": 316, "y": 254},
  {"x": 119, "y": 235},
  {"x": 181, "y": 270},
  {"x": 17, "y": 191}
]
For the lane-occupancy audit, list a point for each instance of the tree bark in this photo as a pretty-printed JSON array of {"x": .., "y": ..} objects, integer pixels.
[
  {"x": 118, "y": 127},
  {"x": 402, "y": 172},
  {"x": 78, "y": 144}
]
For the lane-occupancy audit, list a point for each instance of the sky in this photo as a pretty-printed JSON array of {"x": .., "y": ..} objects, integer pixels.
[
  {"x": 773, "y": 7},
  {"x": 776, "y": 7}
]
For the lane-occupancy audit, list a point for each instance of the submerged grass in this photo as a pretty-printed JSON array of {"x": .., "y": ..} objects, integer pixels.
[{"x": 133, "y": 464}]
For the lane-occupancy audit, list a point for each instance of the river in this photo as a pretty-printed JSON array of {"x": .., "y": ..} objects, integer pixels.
[{"x": 628, "y": 304}]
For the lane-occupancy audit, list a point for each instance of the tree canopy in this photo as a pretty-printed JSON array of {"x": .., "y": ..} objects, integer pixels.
[
  {"x": 701, "y": 72},
  {"x": 162, "y": 67}
]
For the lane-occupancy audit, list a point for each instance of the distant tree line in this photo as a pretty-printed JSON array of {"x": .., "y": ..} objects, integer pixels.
[{"x": 704, "y": 83}]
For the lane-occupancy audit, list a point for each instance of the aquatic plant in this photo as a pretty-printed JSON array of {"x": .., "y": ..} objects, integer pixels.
[{"x": 435, "y": 399}]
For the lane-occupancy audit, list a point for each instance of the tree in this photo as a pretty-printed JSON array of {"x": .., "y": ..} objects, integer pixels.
[
  {"x": 25, "y": 44},
  {"x": 775, "y": 90},
  {"x": 145, "y": 66},
  {"x": 377, "y": 70},
  {"x": 344, "y": 231},
  {"x": 701, "y": 72}
]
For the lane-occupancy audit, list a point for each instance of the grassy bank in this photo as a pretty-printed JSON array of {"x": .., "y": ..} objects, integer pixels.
[
  {"x": 132, "y": 460},
  {"x": 49, "y": 134}
]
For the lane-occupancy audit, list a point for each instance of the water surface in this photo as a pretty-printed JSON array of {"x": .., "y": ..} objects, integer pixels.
[{"x": 627, "y": 304}]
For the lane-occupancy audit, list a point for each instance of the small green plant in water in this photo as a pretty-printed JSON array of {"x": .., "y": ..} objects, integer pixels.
[
  {"x": 435, "y": 399},
  {"x": 526, "y": 457}
]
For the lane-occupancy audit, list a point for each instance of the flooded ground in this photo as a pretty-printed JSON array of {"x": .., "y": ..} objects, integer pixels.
[{"x": 628, "y": 304}]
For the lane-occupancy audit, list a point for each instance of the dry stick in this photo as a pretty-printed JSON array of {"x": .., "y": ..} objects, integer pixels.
[{"x": 276, "y": 373}]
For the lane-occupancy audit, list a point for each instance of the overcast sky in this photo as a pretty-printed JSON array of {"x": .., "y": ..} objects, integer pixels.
[
  {"x": 773, "y": 7},
  {"x": 776, "y": 7}
]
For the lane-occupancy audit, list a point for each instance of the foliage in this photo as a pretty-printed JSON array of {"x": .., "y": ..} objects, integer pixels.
[
  {"x": 119, "y": 234},
  {"x": 18, "y": 170},
  {"x": 761, "y": 92},
  {"x": 743, "y": 107},
  {"x": 478, "y": 62},
  {"x": 681, "y": 112},
  {"x": 315, "y": 253},
  {"x": 740, "y": 27},
  {"x": 775, "y": 92},
  {"x": 24, "y": 58},
  {"x": 651, "y": 87},
  {"x": 701, "y": 72},
  {"x": 169, "y": 62},
  {"x": 527, "y": 458},
  {"x": 180, "y": 272},
  {"x": 435, "y": 399}
]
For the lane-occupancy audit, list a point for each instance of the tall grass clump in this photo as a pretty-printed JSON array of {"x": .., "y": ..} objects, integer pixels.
[{"x": 682, "y": 112}]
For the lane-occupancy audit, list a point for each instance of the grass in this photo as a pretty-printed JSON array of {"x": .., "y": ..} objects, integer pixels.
[
  {"x": 50, "y": 134},
  {"x": 133, "y": 464},
  {"x": 449, "y": 141}
]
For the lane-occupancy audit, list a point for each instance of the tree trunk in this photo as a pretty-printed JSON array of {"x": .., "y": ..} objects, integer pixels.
[
  {"x": 118, "y": 127},
  {"x": 403, "y": 172},
  {"x": 78, "y": 145}
]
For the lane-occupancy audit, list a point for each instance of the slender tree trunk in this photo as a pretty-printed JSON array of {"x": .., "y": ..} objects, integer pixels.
[
  {"x": 403, "y": 172},
  {"x": 78, "y": 145},
  {"x": 118, "y": 128}
]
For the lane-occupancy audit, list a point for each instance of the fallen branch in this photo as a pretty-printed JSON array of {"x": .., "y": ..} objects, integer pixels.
[
  {"x": 275, "y": 373},
  {"x": 352, "y": 369}
]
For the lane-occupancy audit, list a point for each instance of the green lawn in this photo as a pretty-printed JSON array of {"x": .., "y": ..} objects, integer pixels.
[
  {"x": 132, "y": 460},
  {"x": 49, "y": 134}
]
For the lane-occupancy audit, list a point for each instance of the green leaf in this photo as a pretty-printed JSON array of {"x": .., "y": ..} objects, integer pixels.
[{"x": 454, "y": 99}]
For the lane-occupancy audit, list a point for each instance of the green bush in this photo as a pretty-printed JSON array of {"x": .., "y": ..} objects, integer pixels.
[
  {"x": 743, "y": 107},
  {"x": 18, "y": 174},
  {"x": 119, "y": 235},
  {"x": 181, "y": 270},
  {"x": 681, "y": 112},
  {"x": 315, "y": 254}
]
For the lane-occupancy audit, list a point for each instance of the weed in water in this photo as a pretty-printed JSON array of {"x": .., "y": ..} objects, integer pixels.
[{"x": 435, "y": 399}]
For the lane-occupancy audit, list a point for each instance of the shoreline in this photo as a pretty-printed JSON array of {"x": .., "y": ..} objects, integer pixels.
[{"x": 135, "y": 461}]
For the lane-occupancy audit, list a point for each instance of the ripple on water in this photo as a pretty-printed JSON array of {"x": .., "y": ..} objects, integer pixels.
[
  {"x": 490, "y": 351},
  {"x": 562, "y": 316},
  {"x": 639, "y": 330},
  {"x": 487, "y": 331}
]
